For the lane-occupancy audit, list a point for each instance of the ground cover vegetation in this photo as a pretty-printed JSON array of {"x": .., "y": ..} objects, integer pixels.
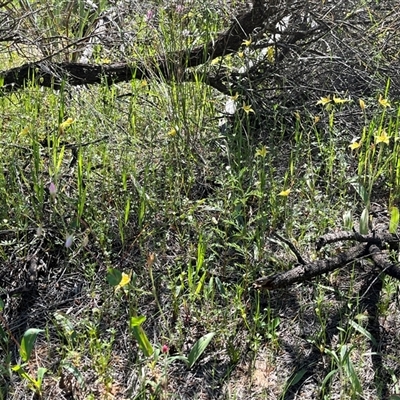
[{"x": 157, "y": 159}]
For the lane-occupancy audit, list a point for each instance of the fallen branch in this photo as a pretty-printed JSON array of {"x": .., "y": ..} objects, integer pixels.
[
  {"x": 371, "y": 245},
  {"x": 311, "y": 270},
  {"x": 172, "y": 66}
]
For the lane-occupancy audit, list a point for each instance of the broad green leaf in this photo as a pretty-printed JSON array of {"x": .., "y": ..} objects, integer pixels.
[
  {"x": 140, "y": 335},
  {"x": 114, "y": 276},
  {"x": 328, "y": 377},
  {"x": 28, "y": 342},
  {"x": 394, "y": 220},
  {"x": 23, "y": 374},
  {"x": 348, "y": 220},
  {"x": 363, "y": 331},
  {"x": 199, "y": 348},
  {"x": 364, "y": 220},
  {"x": 362, "y": 191},
  {"x": 296, "y": 378},
  {"x": 170, "y": 360},
  {"x": 274, "y": 323},
  {"x": 74, "y": 372},
  {"x": 352, "y": 376},
  {"x": 137, "y": 321},
  {"x": 40, "y": 375},
  {"x": 201, "y": 283}
]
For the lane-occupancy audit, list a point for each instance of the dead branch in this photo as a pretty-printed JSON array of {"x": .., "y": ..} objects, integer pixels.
[
  {"x": 371, "y": 245},
  {"x": 172, "y": 66},
  {"x": 306, "y": 272}
]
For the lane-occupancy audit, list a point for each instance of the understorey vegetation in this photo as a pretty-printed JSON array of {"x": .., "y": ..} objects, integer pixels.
[{"x": 199, "y": 199}]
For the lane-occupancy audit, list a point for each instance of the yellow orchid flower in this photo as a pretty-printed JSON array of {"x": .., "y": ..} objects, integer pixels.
[
  {"x": 382, "y": 138},
  {"x": 324, "y": 100},
  {"x": 355, "y": 145},
  {"x": 66, "y": 124},
  {"x": 171, "y": 132},
  {"x": 247, "y": 108},
  {"x": 284, "y": 193},
  {"x": 383, "y": 102},
  {"x": 262, "y": 151},
  {"x": 338, "y": 100},
  {"x": 125, "y": 279},
  {"x": 247, "y": 42}
]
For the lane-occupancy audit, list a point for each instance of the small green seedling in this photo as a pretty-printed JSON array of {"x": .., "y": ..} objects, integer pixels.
[
  {"x": 140, "y": 335},
  {"x": 25, "y": 351},
  {"x": 197, "y": 350}
]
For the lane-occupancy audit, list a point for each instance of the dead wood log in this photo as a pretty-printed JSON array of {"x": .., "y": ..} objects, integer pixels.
[
  {"x": 306, "y": 272},
  {"x": 172, "y": 66},
  {"x": 371, "y": 245},
  {"x": 382, "y": 261}
]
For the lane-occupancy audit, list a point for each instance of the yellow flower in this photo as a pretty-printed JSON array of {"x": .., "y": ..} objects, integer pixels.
[
  {"x": 355, "y": 145},
  {"x": 324, "y": 100},
  {"x": 247, "y": 42},
  {"x": 382, "y": 138},
  {"x": 338, "y": 100},
  {"x": 362, "y": 104},
  {"x": 171, "y": 132},
  {"x": 125, "y": 279},
  {"x": 143, "y": 83},
  {"x": 241, "y": 54},
  {"x": 235, "y": 97},
  {"x": 66, "y": 124},
  {"x": 316, "y": 119},
  {"x": 383, "y": 102},
  {"x": 262, "y": 151},
  {"x": 247, "y": 108},
  {"x": 24, "y": 131},
  {"x": 284, "y": 193}
]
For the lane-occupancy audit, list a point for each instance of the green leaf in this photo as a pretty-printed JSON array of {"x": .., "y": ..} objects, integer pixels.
[
  {"x": 170, "y": 360},
  {"x": 364, "y": 221},
  {"x": 199, "y": 348},
  {"x": 140, "y": 335},
  {"x": 23, "y": 374},
  {"x": 361, "y": 190},
  {"x": 40, "y": 375},
  {"x": 352, "y": 375},
  {"x": 274, "y": 323},
  {"x": 201, "y": 251},
  {"x": 137, "y": 321},
  {"x": 348, "y": 220},
  {"x": 28, "y": 342},
  {"x": 1, "y": 305},
  {"x": 74, "y": 372},
  {"x": 201, "y": 283},
  {"x": 394, "y": 220},
  {"x": 363, "y": 331},
  {"x": 114, "y": 276},
  {"x": 295, "y": 378}
]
